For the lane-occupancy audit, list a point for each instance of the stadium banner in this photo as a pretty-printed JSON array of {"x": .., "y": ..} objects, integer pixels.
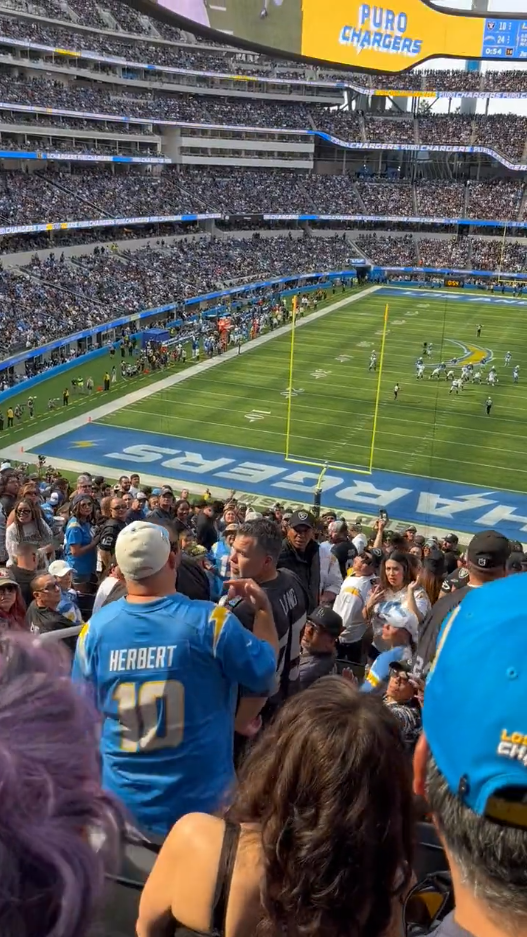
[
  {"x": 350, "y": 32},
  {"x": 81, "y": 157},
  {"x": 104, "y": 223},
  {"x": 410, "y": 219},
  {"x": 168, "y": 219},
  {"x": 421, "y": 148}
]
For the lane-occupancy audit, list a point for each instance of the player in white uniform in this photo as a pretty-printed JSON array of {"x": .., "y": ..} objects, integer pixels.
[
  {"x": 450, "y": 375},
  {"x": 493, "y": 377},
  {"x": 435, "y": 373},
  {"x": 420, "y": 371},
  {"x": 516, "y": 374},
  {"x": 429, "y": 349},
  {"x": 373, "y": 361},
  {"x": 456, "y": 386},
  {"x": 465, "y": 374},
  {"x": 508, "y": 358},
  {"x": 476, "y": 377}
]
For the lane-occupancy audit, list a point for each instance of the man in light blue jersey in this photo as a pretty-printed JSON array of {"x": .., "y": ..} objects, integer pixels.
[{"x": 165, "y": 671}]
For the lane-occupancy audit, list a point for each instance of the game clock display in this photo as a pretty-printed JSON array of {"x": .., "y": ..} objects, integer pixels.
[
  {"x": 504, "y": 39},
  {"x": 449, "y": 281}
]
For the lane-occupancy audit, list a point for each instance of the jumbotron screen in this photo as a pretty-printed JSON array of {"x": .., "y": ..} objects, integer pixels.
[{"x": 348, "y": 32}]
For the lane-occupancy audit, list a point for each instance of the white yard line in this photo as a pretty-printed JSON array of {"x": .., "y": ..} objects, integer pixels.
[{"x": 33, "y": 442}]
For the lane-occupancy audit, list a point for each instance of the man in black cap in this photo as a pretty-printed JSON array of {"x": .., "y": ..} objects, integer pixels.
[
  {"x": 450, "y": 542},
  {"x": 487, "y": 557},
  {"x": 409, "y": 535},
  {"x": 319, "y": 640},
  {"x": 300, "y": 554}
]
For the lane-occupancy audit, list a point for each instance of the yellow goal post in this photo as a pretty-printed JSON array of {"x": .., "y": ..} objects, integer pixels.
[{"x": 324, "y": 465}]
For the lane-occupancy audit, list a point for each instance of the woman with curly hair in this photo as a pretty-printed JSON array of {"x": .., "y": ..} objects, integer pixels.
[
  {"x": 318, "y": 839},
  {"x": 28, "y": 525}
]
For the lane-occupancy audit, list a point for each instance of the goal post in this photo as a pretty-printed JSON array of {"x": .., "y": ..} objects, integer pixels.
[{"x": 321, "y": 464}]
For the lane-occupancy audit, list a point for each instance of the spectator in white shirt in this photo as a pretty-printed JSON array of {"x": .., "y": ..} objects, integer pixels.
[{"x": 351, "y": 601}]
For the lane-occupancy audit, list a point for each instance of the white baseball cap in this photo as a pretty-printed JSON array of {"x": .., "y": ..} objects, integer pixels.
[
  {"x": 59, "y": 568},
  {"x": 399, "y": 617},
  {"x": 141, "y": 550},
  {"x": 4, "y": 466}
]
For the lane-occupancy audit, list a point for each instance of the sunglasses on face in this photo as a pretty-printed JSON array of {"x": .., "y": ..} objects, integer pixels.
[
  {"x": 10, "y": 588},
  {"x": 23, "y": 511}
]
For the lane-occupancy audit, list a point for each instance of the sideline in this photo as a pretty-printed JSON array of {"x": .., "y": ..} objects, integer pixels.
[{"x": 18, "y": 449}]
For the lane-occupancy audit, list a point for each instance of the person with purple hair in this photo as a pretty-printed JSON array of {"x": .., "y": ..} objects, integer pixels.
[{"x": 52, "y": 874}]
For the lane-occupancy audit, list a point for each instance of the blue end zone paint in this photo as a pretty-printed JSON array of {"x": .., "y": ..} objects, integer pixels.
[
  {"x": 438, "y": 294},
  {"x": 420, "y": 500}
]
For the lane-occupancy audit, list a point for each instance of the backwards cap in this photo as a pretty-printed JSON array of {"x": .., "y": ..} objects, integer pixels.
[
  {"x": 141, "y": 550},
  {"x": 475, "y": 719}
]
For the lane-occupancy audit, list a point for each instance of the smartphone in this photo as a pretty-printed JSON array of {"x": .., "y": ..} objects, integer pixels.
[{"x": 383, "y": 515}]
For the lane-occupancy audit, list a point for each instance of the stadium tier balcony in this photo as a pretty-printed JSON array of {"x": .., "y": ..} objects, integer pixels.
[
  {"x": 61, "y": 297},
  {"x": 95, "y": 192}
]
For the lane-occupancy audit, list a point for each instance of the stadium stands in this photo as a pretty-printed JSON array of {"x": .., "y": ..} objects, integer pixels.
[
  {"x": 96, "y": 192},
  {"x": 59, "y": 298}
]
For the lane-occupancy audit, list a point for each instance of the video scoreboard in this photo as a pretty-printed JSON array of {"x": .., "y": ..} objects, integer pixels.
[{"x": 504, "y": 39}]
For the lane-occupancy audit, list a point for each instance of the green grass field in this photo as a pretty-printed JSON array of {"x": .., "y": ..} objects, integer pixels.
[
  {"x": 281, "y": 29},
  {"x": 426, "y": 432}
]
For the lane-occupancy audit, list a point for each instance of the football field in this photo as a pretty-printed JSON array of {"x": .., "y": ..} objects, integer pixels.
[{"x": 427, "y": 431}]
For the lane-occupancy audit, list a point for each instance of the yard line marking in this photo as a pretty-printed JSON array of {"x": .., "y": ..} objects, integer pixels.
[{"x": 32, "y": 442}]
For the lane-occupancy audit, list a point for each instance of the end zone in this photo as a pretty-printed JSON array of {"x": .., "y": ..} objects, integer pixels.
[{"x": 105, "y": 449}]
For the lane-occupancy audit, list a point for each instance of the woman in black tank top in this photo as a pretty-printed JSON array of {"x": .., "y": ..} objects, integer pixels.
[{"x": 317, "y": 841}]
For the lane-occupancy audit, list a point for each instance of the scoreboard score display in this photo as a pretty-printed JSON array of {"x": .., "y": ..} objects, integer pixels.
[
  {"x": 505, "y": 39},
  {"x": 388, "y": 38}
]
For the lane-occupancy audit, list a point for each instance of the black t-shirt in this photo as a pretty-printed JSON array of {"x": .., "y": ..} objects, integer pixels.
[
  {"x": 109, "y": 533},
  {"x": 430, "y": 628},
  {"x": 289, "y": 602},
  {"x": 206, "y": 533},
  {"x": 24, "y": 577}
]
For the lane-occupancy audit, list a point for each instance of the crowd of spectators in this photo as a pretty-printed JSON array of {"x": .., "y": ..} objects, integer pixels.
[
  {"x": 389, "y": 129},
  {"x": 445, "y": 252},
  {"x": 507, "y": 134},
  {"x": 52, "y": 298},
  {"x": 462, "y": 253},
  {"x": 230, "y": 616},
  {"x": 387, "y": 198},
  {"x": 389, "y": 250},
  {"x": 496, "y": 254},
  {"x": 454, "y": 79},
  {"x": 95, "y": 192}
]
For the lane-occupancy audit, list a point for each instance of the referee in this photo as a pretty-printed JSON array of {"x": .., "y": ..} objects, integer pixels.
[{"x": 488, "y": 405}]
